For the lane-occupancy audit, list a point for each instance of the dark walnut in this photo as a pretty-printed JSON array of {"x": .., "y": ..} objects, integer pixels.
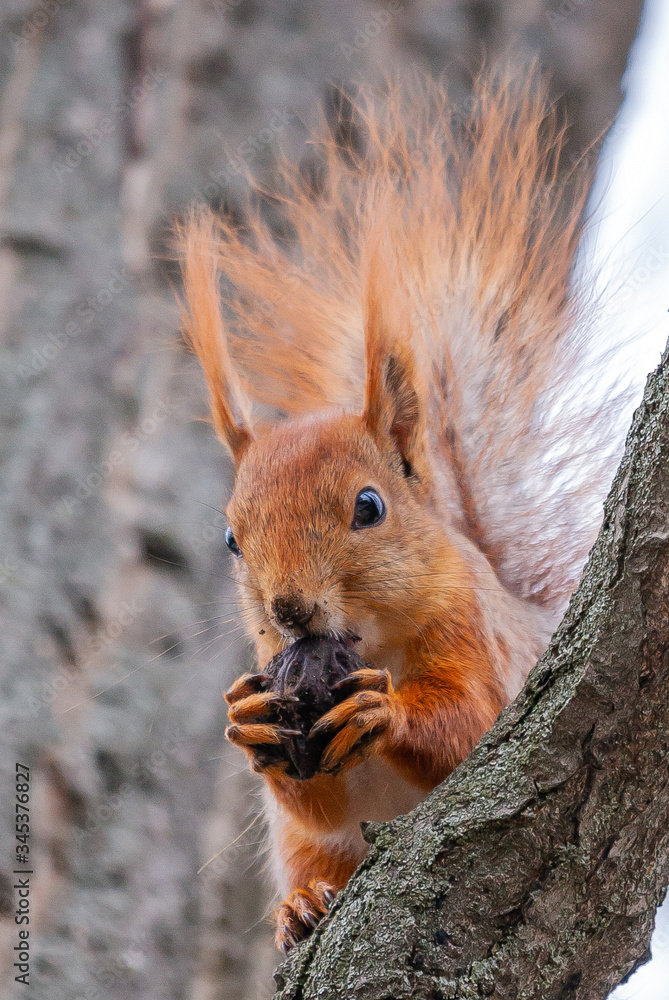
[{"x": 303, "y": 676}]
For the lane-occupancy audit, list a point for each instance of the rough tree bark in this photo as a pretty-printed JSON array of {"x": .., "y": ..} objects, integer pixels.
[
  {"x": 115, "y": 116},
  {"x": 535, "y": 870}
]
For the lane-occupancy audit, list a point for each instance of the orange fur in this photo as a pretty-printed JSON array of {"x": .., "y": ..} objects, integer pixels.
[
  {"x": 204, "y": 327},
  {"x": 417, "y": 331}
]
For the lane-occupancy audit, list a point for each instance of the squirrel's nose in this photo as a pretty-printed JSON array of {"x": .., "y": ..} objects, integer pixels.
[{"x": 291, "y": 612}]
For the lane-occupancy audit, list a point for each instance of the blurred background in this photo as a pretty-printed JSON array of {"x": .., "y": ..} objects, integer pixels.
[{"x": 117, "y": 618}]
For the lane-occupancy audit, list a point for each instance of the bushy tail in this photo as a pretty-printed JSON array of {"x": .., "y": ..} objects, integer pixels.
[{"x": 482, "y": 226}]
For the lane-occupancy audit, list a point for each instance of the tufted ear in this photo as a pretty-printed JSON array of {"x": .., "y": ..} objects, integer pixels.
[
  {"x": 203, "y": 325},
  {"x": 395, "y": 391}
]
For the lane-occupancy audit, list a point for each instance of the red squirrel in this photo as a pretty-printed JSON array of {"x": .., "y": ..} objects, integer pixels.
[{"x": 418, "y": 476}]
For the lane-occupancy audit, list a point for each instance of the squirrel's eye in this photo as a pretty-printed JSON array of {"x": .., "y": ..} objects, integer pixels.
[
  {"x": 232, "y": 544},
  {"x": 369, "y": 509}
]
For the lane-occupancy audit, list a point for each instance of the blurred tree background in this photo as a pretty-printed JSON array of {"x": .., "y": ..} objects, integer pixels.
[{"x": 118, "y": 624}]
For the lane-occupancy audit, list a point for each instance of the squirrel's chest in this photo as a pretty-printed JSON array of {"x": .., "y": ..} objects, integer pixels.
[{"x": 377, "y": 791}]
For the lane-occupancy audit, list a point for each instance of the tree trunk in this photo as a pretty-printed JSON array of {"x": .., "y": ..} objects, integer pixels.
[
  {"x": 535, "y": 870},
  {"x": 115, "y": 117}
]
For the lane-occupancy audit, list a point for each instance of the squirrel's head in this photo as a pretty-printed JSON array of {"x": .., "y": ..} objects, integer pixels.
[
  {"x": 329, "y": 527},
  {"x": 332, "y": 519}
]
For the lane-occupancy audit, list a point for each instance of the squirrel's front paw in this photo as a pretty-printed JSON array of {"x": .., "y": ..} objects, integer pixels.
[
  {"x": 299, "y": 914},
  {"x": 360, "y": 721},
  {"x": 255, "y": 727}
]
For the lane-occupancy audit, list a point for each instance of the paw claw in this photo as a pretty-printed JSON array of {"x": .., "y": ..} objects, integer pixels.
[
  {"x": 367, "y": 678},
  {"x": 255, "y": 725},
  {"x": 356, "y": 724},
  {"x": 253, "y": 735},
  {"x": 301, "y": 913},
  {"x": 253, "y": 707},
  {"x": 247, "y": 684}
]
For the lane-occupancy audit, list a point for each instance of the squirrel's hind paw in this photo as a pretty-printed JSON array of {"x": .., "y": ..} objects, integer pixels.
[{"x": 300, "y": 913}]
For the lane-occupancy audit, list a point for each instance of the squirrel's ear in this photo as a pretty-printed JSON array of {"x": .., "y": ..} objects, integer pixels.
[
  {"x": 395, "y": 393},
  {"x": 203, "y": 326}
]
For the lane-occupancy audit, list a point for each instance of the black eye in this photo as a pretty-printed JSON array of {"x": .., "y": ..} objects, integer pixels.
[
  {"x": 369, "y": 509},
  {"x": 231, "y": 543}
]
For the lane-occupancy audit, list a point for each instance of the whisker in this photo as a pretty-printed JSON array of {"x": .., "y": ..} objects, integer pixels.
[
  {"x": 223, "y": 635},
  {"x": 226, "y": 490},
  {"x": 170, "y": 634},
  {"x": 120, "y": 680},
  {"x": 416, "y": 626},
  {"x": 383, "y": 588},
  {"x": 232, "y": 843},
  {"x": 167, "y": 699}
]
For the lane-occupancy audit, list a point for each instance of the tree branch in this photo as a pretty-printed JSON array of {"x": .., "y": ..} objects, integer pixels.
[{"x": 535, "y": 870}]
